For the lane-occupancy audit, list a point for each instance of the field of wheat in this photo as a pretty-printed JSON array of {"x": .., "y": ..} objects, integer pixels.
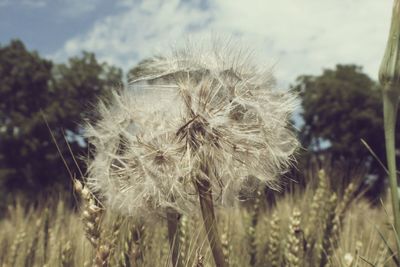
[{"x": 311, "y": 227}]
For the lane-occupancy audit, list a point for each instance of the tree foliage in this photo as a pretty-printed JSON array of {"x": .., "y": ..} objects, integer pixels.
[
  {"x": 339, "y": 108},
  {"x": 32, "y": 89}
]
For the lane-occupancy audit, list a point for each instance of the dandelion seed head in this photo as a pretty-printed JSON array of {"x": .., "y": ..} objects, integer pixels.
[{"x": 192, "y": 114}]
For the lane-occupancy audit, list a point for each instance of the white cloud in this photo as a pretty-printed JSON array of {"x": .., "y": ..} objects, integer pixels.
[
  {"x": 301, "y": 36},
  {"x": 137, "y": 32}
]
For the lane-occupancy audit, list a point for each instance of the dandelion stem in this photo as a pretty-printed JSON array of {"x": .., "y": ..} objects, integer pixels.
[{"x": 210, "y": 223}]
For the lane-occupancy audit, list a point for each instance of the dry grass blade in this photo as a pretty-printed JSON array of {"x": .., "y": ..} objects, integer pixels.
[
  {"x": 368, "y": 262},
  {"x": 394, "y": 258},
  {"x": 392, "y": 226},
  {"x": 374, "y": 155}
]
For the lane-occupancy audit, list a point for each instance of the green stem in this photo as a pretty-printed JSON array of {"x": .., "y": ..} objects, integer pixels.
[
  {"x": 390, "y": 104},
  {"x": 210, "y": 223}
]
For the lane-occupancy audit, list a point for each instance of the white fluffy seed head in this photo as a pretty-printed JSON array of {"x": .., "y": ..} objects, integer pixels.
[{"x": 207, "y": 114}]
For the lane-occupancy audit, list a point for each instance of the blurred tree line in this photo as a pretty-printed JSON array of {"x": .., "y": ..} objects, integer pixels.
[
  {"x": 340, "y": 108},
  {"x": 39, "y": 99},
  {"x": 42, "y": 100}
]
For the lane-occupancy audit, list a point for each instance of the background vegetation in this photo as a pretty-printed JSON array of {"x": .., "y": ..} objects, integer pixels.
[
  {"x": 44, "y": 103},
  {"x": 314, "y": 227}
]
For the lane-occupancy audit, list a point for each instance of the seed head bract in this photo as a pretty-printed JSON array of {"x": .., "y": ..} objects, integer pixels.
[{"x": 196, "y": 113}]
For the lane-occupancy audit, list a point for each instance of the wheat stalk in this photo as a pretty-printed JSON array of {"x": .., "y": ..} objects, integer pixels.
[
  {"x": 294, "y": 248},
  {"x": 274, "y": 242}
]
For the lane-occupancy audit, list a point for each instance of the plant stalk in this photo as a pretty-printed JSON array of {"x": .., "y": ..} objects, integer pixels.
[
  {"x": 389, "y": 76},
  {"x": 390, "y": 105},
  {"x": 210, "y": 223}
]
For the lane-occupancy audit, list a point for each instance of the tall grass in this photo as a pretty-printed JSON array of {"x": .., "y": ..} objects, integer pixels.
[{"x": 311, "y": 227}]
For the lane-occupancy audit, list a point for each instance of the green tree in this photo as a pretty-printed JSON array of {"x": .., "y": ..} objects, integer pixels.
[
  {"x": 339, "y": 108},
  {"x": 33, "y": 87},
  {"x": 79, "y": 84},
  {"x": 25, "y": 89}
]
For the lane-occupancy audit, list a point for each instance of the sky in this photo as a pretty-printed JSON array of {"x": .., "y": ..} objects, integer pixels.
[{"x": 295, "y": 37}]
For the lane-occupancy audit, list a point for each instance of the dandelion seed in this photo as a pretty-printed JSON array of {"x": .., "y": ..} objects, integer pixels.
[{"x": 192, "y": 115}]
